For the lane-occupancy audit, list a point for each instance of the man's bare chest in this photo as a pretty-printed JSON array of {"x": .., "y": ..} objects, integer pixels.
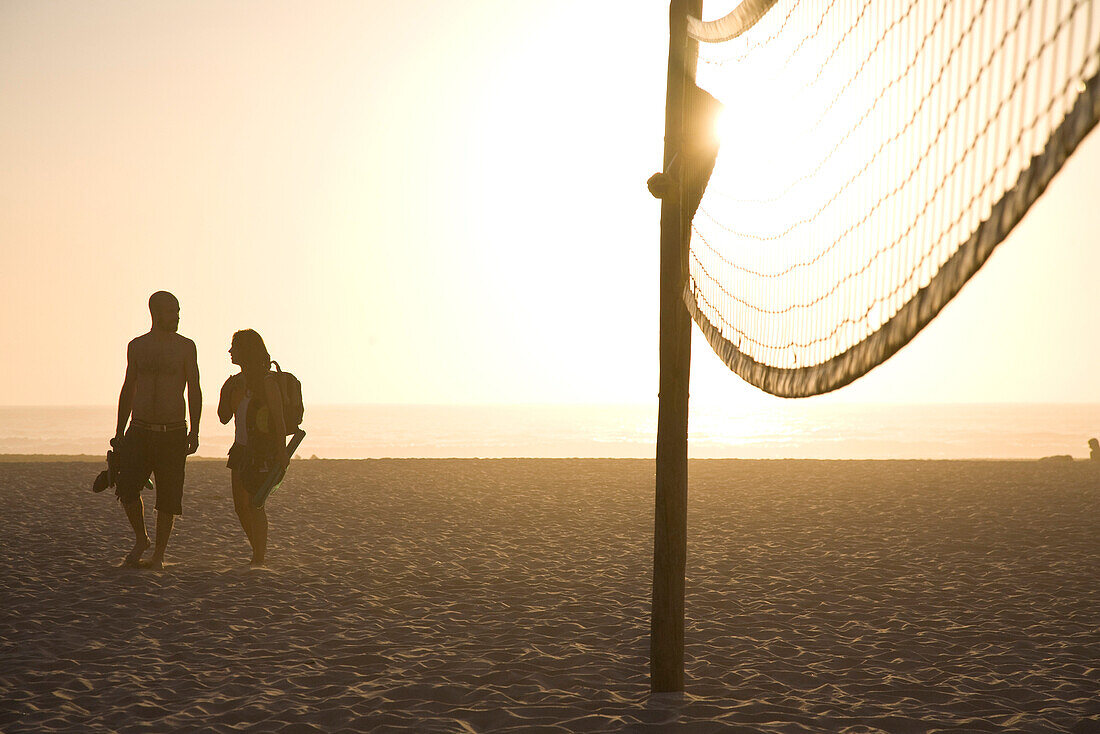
[{"x": 154, "y": 361}]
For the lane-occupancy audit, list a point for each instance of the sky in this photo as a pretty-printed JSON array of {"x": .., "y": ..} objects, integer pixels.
[{"x": 416, "y": 202}]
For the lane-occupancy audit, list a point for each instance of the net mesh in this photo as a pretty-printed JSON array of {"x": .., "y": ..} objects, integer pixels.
[{"x": 872, "y": 156}]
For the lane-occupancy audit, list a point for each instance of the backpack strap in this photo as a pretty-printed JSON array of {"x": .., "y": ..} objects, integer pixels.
[
  {"x": 280, "y": 382},
  {"x": 279, "y": 379}
]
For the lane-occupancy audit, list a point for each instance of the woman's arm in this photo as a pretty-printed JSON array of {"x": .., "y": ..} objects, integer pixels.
[{"x": 225, "y": 401}]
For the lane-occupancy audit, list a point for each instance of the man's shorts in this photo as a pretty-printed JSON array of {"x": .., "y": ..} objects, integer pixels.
[{"x": 161, "y": 454}]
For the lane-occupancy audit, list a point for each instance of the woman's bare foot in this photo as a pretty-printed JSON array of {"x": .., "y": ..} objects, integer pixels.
[
  {"x": 156, "y": 563},
  {"x": 256, "y": 562},
  {"x": 133, "y": 558}
]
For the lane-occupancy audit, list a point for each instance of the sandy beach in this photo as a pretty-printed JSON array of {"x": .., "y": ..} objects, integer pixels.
[{"x": 513, "y": 595}]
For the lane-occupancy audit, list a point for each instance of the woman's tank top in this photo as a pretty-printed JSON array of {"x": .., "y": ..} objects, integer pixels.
[{"x": 240, "y": 420}]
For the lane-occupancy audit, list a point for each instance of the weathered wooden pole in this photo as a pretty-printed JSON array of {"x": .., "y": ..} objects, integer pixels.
[{"x": 666, "y": 632}]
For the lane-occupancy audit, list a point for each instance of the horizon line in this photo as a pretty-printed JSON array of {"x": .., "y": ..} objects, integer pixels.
[{"x": 530, "y": 404}]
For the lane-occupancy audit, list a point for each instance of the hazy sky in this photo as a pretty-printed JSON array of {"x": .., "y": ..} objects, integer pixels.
[{"x": 415, "y": 202}]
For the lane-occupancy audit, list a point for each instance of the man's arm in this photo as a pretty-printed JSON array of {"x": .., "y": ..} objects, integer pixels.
[
  {"x": 125, "y": 396},
  {"x": 194, "y": 396}
]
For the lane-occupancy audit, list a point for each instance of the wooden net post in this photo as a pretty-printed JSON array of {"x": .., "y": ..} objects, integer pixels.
[{"x": 666, "y": 635}]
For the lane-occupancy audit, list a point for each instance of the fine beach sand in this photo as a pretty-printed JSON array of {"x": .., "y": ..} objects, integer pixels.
[{"x": 513, "y": 595}]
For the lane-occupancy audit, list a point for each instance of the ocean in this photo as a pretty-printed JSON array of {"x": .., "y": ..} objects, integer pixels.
[{"x": 785, "y": 430}]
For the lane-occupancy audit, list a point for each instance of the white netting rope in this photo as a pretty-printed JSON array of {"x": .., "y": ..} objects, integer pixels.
[{"x": 873, "y": 155}]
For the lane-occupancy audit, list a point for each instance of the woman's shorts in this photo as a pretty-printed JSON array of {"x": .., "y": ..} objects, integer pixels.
[
  {"x": 238, "y": 456},
  {"x": 253, "y": 469}
]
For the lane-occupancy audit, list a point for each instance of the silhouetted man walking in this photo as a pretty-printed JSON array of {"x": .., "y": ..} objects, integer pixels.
[{"x": 158, "y": 365}]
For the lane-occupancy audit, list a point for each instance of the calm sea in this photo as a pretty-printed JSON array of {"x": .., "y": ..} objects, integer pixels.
[{"x": 789, "y": 430}]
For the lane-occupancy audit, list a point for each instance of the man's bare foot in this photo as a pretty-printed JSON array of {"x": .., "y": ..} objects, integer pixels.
[
  {"x": 256, "y": 562},
  {"x": 134, "y": 556},
  {"x": 156, "y": 563}
]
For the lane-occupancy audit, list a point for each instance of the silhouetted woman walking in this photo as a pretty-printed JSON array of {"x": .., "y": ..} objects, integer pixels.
[{"x": 252, "y": 399}]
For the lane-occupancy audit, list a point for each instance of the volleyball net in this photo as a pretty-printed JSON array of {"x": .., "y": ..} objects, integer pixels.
[{"x": 872, "y": 155}]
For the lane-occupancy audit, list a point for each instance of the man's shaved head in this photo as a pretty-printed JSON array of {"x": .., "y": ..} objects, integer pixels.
[
  {"x": 162, "y": 299},
  {"x": 165, "y": 310}
]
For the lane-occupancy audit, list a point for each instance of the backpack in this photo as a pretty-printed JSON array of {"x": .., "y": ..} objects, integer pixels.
[{"x": 291, "y": 390}]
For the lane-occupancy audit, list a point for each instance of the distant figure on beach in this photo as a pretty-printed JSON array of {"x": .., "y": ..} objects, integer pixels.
[
  {"x": 158, "y": 366},
  {"x": 253, "y": 400},
  {"x": 1094, "y": 449}
]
